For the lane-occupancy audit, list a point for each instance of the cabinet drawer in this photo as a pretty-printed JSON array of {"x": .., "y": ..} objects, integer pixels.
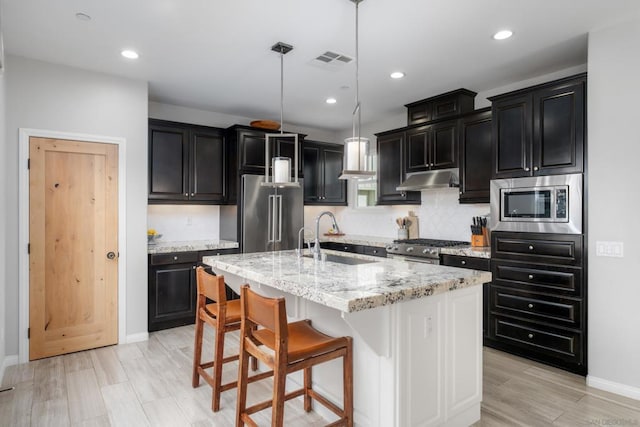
[
  {"x": 348, "y": 247},
  {"x": 538, "y": 278},
  {"x": 214, "y": 252},
  {"x": 173, "y": 258},
  {"x": 374, "y": 251},
  {"x": 563, "y": 249},
  {"x": 553, "y": 342},
  {"x": 562, "y": 311},
  {"x": 465, "y": 262}
]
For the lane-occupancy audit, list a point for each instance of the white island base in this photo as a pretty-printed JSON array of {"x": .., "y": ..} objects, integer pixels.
[{"x": 416, "y": 363}]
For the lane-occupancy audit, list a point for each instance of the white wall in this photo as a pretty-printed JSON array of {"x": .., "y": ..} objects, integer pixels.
[
  {"x": 185, "y": 222},
  {"x": 46, "y": 96},
  {"x": 614, "y": 201},
  {"x": 3, "y": 204}
]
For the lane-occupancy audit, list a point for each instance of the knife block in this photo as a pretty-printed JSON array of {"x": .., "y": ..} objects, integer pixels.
[{"x": 480, "y": 240}]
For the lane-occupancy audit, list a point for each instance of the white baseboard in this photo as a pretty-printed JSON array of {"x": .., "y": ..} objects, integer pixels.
[
  {"x": 614, "y": 387},
  {"x": 6, "y": 362},
  {"x": 142, "y": 336}
]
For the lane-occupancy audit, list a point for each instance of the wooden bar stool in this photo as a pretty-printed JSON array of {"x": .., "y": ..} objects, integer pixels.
[
  {"x": 287, "y": 347},
  {"x": 224, "y": 316}
]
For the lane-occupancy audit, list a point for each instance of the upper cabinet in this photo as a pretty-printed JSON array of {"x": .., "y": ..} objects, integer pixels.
[
  {"x": 431, "y": 147},
  {"x": 247, "y": 153},
  {"x": 186, "y": 163},
  {"x": 475, "y": 156},
  {"x": 448, "y": 104},
  {"x": 391, "y": 173},
  {"x": 322, "y": 165},
  {"x": 540, "y": 130}
]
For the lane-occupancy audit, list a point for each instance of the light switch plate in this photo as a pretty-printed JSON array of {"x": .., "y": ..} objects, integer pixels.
[{"x": 610, "y": 249}]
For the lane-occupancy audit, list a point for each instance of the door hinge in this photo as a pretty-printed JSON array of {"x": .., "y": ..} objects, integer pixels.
[
  {"x": 28, "y": 333},
  {"x": 28, "y": 163},
  {"x": 29, "y": 248}
]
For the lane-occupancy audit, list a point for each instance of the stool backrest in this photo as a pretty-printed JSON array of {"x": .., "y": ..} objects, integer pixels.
[
  {"x": 269, "y": 313},
  {"x": 211, "y": 286}
]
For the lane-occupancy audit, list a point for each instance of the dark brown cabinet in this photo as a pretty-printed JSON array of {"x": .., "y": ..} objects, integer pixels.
[
  {"x": 246, "y": 154},
  {"x": 322, "y": 168},
  {"x": 537, "y": 298},
  {"x": 186, "y": 163},
  {"x": 356, "y": 249},
  {"x": 431, "y": 147},
  {"x": 438, "y": 107},
  {"x": 540, "y": 130},
  {"x": 475, "y": 156},
  {"x": 391, "y": 170},
  {"x": 172, "y": 288}
]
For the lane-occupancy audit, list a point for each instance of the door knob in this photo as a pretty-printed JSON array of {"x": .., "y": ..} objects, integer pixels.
[{"x": 111, "y": 255}]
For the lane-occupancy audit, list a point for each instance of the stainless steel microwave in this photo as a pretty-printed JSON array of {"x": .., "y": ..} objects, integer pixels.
[{"x": 543, "y": 204}]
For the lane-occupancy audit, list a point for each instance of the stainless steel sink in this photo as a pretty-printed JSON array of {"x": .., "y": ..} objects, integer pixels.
[{"x": 344, "y": 259}]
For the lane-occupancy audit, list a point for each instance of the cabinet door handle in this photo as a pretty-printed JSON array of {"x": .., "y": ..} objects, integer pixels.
[
  {"x": 186, "y": 194},
  {"x": 530, "y": 247},
  {"x": 463, "y": 262},
  {"x": 530, "y": 336},
  {"x": 346, "y": 248},
  {"x": 431, "y": 164},
  {"x": 530, "y": 306},
  {"x": 175, "y": 258},
  {"x": 527, "y": 169},
  {"x": 193, "y": 267},
  {"x": 535, "y": 168},
  {"x": 530, "y": 276},
  {"x": 375, "y": 251},
  {"x": 193, "y": 194}
]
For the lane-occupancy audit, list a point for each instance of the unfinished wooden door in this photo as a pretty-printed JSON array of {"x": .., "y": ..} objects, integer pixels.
[{"x": 73, "y": 236}]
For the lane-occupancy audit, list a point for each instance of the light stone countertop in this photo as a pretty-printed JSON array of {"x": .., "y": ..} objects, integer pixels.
[
  {"x": 347, "y": 288},
  {"x": 470, "y": 251},
  {"x": 190, "y": 245},
  {"x": 356, "y": 239}
]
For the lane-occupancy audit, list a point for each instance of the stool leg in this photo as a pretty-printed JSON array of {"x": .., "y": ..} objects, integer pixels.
[
  {"x": 307, "y": 388},
  {"x": 197, "y": 352},
  {"x": 254, "y": 360},
  {"x": 279, "y": 380},
  {"x": 243, "y": 374},
  {"x": 217, "y": 367},
  {"x": 347, "y": 378}
]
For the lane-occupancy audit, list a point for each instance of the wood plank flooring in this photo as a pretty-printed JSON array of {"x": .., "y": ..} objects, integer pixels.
[{"x": 149, "y": 384}]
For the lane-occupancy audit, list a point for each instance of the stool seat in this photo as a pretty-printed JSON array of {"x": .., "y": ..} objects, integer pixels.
[
  {"x": 233, "y": 311},
  {"x": 304, "y": 341}
]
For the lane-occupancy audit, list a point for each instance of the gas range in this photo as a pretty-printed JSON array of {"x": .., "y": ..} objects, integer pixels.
[{"x": 421, "y": 250}]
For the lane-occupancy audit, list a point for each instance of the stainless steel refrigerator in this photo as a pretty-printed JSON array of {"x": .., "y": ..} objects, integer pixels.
[{"x": 270, "y": 218}]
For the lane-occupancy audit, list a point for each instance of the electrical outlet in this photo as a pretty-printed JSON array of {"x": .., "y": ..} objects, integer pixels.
[
  {"x": 610, "y": 249},
  {"x": 189, "y": 220}
]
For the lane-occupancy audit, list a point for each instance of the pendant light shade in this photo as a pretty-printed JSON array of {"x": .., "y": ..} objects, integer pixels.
[
  {"x": 357, "y": 159},
  {"x": 280, "y": 167}
]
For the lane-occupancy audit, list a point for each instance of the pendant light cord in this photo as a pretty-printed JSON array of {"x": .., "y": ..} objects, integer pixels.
[
  {"x": 281, "y": 90},
  {"x": 357, "y": 109}
]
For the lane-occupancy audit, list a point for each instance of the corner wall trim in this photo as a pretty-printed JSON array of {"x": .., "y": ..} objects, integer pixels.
[
  {"x": 8, "y": 361},
  {"x": 142, "y": 336},
  {"x": 614, "y": 387}
]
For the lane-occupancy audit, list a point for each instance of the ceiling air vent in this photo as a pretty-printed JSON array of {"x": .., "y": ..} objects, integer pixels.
[{"x": 333, "y": 58}]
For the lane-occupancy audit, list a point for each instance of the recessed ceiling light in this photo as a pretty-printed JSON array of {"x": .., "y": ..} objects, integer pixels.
[
  {"x": 83, "y": 16},
  {"x": 130, "y": 54},
  {"x": 397, "y": 75},
  {"x": 331, "y": 101},
  {"x": 501, "y": 35}
]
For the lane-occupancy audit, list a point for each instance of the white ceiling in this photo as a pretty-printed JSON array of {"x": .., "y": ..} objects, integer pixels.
[{"x": 215, "y": 55}]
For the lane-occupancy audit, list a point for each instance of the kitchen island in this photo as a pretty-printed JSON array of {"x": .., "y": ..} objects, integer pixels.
[{"x": 417, "y": 330}]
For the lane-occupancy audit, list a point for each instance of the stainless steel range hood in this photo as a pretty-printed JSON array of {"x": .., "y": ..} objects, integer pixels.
[{"x": 442, "y": 178}]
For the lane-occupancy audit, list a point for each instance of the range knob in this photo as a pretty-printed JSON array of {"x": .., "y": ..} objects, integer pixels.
[
  {"x": 433, "y": 252},
  {"x": 410, "y": 249},
  {"x": 425, "y": 251}
]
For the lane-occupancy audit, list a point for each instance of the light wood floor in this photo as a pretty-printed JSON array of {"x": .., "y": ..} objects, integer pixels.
[{"x": 149, "y": 383}]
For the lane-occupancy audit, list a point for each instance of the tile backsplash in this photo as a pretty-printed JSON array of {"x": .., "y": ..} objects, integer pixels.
[{"x": 185, "y": 222}]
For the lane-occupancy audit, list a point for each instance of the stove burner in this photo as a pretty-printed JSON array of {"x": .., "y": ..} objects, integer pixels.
[{"x": 433, "y": 242}]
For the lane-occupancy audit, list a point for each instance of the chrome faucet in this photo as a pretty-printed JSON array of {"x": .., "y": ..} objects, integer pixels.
[
  {"x": 316, "y": 245},
  {"x": 300, "y": 241}
]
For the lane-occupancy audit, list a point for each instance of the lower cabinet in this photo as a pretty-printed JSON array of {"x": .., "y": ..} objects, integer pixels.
[{"x": 172, "y": 288}]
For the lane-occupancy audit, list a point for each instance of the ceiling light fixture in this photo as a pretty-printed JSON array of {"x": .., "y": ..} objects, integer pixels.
[
  {"x": 397, "y": 75},
  {"x": 130, "y": 54},
  {"x": 357, "y": 162},
  {"x": 502, "y": 35},
  {"x": 83, "y": 16},
  {"x": 331, "y": 101},
  {"x": 281, "y": 166}
]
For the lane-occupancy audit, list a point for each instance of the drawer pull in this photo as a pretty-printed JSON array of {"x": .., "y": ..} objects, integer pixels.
[
  {"x": 193, "y": 267},
  {"x": 375, "y": 251},
  {"x": 175, "y": 258},
  {"x": 346, "y": 248},
  {"x": 463, "y": 262},
  {"x": 530, "y": 247},
  {"x": 530, "y": 336},
  {"x": 530, "y": 276},
  {"x": 530, "y": 306}
]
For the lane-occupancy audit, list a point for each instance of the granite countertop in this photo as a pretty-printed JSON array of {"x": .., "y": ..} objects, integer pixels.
[
  {"x": 470, "y": 251},
  {"x": 190, "y": 245},
  {"x": 356, "y": 239},
  {"x": 347, "y": 288}
]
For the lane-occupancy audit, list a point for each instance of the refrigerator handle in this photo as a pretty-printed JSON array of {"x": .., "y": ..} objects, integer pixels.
[
  {"x": 279, "y": 197},
  {"x": 270, "y": 219}
]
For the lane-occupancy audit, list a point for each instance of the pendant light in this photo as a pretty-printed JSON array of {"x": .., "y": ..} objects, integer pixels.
[
  {"x": 280, "y": 166},
  {"x": 357, "y": 161}
]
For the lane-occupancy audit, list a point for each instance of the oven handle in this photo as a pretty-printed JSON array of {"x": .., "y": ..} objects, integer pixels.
[{"x": 433, "y": 261}]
